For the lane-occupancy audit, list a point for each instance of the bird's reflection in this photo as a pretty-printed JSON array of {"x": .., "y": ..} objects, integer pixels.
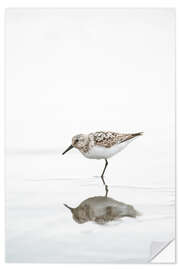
[{"x": 101, "y": 209}]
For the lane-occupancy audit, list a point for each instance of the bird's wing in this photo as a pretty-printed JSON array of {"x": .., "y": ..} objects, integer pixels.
[{"x": 108, "y": 139}]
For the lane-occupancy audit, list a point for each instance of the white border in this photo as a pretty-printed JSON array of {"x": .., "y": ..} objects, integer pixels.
[{"x": 60, "y": 4}]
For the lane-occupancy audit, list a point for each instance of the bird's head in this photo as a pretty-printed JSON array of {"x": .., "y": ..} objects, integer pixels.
[{"x": 78, "y": 141}]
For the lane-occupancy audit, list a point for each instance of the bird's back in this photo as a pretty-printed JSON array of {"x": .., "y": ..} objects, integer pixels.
[{"x": 107, "y": 144}]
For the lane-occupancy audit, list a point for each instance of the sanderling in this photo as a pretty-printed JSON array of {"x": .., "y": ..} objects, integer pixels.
[{"x": 101, "y": 145}]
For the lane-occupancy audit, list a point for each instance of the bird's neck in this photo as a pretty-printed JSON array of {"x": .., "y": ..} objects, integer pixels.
[{"x": 89, "y": 143}]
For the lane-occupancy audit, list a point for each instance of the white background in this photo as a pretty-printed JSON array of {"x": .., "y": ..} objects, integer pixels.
[
  {"x": 83, "y": 70},
  {"x": 127, "y": 4},
  {"x": 69, "y": 72}
]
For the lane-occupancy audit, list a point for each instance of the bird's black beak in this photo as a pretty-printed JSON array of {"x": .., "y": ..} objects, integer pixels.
[{"x": 69, "y": 148}]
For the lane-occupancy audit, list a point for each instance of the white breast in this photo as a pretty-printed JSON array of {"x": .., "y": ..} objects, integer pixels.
[{"x": 100, "y": 152}]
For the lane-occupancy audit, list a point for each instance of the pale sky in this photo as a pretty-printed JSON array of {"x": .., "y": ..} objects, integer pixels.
[{"x": 78, "y": 71}]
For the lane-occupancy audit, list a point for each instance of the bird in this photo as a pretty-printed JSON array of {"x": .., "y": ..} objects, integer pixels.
[{"x": 101, "y": 144}]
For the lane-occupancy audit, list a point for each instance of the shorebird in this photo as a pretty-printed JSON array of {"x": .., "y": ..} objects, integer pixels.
[{"x": 101, "y": 144}]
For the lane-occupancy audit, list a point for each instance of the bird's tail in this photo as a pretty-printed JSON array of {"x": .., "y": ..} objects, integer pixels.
[
  {"x": 131, "y": 136},
  {"x": 137, "y": 134}
]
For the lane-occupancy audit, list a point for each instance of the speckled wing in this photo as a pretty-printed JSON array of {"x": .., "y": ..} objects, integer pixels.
[{"x": 108, "y": 139}]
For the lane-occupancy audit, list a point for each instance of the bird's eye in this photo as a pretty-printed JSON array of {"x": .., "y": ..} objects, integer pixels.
[{"x": 76, "y": 141}]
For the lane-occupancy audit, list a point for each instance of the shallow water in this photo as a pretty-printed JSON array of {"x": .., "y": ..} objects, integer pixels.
[{"x": 41, "y": 229}]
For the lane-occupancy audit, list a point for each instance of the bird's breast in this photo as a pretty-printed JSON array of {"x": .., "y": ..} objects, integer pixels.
[{"x": 101, "y": 152}]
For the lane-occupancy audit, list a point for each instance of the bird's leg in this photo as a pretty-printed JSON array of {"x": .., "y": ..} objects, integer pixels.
[
  {"x": 102, "y": 175},
  {"x": 103, "y": 180}
]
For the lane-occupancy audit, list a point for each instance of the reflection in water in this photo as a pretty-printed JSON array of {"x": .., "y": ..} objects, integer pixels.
[
  {"x": 106, "y": 187},
  {"x": 101, "y": 209}
]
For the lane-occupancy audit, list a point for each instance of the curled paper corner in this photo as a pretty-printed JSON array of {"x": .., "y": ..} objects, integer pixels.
[{"x": 157, "y": 247}]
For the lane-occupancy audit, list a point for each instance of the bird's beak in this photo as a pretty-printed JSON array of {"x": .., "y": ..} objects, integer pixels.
[
  {"x": 70, "y": 208},
  {"x": 69, "y": 148}
]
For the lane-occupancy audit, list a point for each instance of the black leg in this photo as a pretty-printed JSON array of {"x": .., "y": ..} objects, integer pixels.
[
  {"x": 103, "y": 180},
  {"x": 102, "y": 175}
]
